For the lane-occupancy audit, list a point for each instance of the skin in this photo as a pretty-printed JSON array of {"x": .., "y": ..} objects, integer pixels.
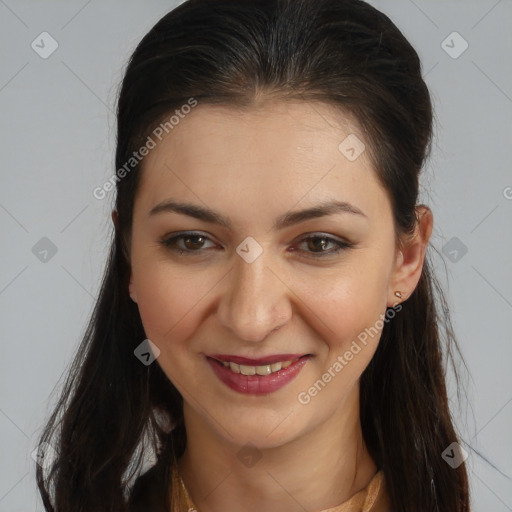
[{"x": 253, "y": 165}]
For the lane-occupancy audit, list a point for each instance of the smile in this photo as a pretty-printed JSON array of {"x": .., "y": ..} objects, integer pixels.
[
  {"x": 266, "y": 369},
  {"x": 257, "y": 379}
]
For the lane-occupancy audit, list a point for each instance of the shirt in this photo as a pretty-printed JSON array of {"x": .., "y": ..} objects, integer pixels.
[{"x": 145, "y": 496}]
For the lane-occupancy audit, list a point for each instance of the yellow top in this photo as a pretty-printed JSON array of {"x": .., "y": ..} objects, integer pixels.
[{"x": 373, "y": 498}]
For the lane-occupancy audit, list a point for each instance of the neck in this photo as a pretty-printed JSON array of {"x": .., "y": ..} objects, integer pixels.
[{"x": 319, "y": 470}]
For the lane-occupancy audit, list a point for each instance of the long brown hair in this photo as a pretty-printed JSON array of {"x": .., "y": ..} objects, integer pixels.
[{"x": 113, "y": 410}]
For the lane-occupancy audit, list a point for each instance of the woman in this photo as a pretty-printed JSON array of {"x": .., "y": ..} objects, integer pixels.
[{"x": 268, "y": 323}]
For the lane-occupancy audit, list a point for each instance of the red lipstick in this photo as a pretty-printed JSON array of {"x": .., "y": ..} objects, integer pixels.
[{"x": 257, "y": 384}]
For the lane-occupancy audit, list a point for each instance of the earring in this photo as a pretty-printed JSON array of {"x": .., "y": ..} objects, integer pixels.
[{"x": 398, "y": 294}]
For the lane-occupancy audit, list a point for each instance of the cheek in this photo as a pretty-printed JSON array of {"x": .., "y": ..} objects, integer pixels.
[
  {"x": 347, "y": 310},
  {"x": 169, "y": 301},
  {"x": 346, "y": 300}
]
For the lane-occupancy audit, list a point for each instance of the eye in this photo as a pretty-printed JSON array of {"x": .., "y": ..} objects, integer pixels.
[
  {"x": 189, "y": 244},
  {"x": 318, "y": 245}
]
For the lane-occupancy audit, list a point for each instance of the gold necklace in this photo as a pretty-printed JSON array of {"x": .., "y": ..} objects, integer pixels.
[{"x": 180, "y": 496}]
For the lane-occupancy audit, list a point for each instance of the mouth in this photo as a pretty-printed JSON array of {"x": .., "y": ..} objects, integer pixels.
[
  {"x": 262, "y": 366},
  {"x": 257, "y": 376}
]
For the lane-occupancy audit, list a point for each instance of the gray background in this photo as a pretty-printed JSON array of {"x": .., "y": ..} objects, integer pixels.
[{"x": 57, "y": 142}]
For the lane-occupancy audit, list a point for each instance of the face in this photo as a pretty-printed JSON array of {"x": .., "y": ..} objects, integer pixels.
[{"x": 239, "y": 264}]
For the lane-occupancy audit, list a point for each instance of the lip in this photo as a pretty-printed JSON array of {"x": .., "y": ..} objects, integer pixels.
[
  {"x": 257, "y": 384},
  {"x": 260, "y": 361}
]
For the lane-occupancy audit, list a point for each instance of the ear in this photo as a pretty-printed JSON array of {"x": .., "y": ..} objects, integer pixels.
[
  {"x": 410, "y": 258},
  {"x": 115, "y": 219},
  {"x": 131, "y": 288}
]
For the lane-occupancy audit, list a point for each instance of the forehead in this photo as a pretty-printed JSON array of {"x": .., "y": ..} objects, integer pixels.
[{"x": 278, "y": 151}]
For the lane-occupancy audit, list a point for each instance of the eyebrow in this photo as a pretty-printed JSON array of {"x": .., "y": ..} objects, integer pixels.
[{"x": 288, "y": 219}]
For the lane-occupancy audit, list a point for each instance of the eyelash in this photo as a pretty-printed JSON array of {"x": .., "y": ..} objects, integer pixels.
[{"x": 170, "y": 243}]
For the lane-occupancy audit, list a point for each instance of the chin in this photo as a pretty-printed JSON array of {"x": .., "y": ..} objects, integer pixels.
[{"x": 262, "y": 431}]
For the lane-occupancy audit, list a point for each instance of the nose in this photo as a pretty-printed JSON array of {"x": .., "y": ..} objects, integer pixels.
[{"x": 255, "y": 300}]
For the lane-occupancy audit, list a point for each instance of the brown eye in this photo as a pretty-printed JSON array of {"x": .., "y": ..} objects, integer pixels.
[
  {"x": 317, "y": 244},
  {"x": 322, "y": 245},
  {"x": 194, "y": 242},
  {"x": 186, "y": 243}
]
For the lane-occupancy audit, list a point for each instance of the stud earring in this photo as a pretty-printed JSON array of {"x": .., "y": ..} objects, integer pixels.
[{"x": 398, "y": 294}]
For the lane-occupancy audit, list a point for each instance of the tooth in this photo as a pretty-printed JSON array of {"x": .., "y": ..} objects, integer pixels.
[
  {"x": 263, "y": 370},
  {"x": 247, "y": 370},
  {"x": 234, "y": 367}
]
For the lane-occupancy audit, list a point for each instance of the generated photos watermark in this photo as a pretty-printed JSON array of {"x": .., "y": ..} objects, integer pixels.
[
  {"x": 304, "y": 397},
  {"x": 151, "y": 141}
]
